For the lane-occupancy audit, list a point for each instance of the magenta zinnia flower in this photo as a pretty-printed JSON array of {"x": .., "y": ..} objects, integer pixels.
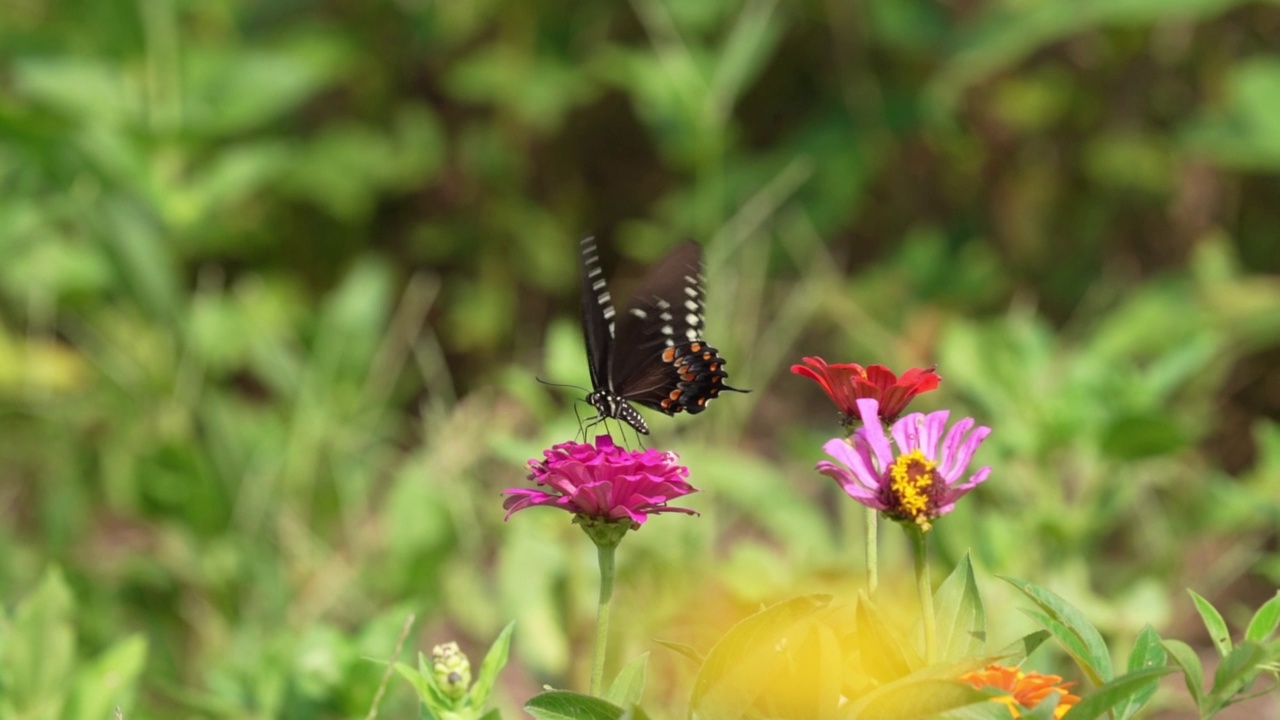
[
  {"x": 921, "y": 482},
  {"x": 604, "y": 482},
  {"x": 847, "y": 383}
]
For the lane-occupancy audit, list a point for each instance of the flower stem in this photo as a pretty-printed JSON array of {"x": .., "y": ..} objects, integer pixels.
[
  {"x": 919, "y": 542},
  {"x": 605, "y": 553},
  {"x": 873, "y": 578}
]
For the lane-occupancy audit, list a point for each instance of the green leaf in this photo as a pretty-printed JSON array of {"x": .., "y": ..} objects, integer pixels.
[
  {"x": 1187, "y": 660},
  {"x": 1236, "y": 672},
  {"x": 985, "y": 710},
  {"x": 1117, "y": 692},
  {"x": 961, "y": 620},
  {"x": 423, "y": 683},
  {"x": 1214, "y": 623},
  {"x": 110, "y": 680},
  {"x": 744, "y": 662},
  {"x": 1070, "y": 642},
  {"x": 886, "y": 653},
  {"x": 686, "y": 650},
  {"x": 1264, "y": 621},
  {"x": 1019, "y": 649},
  {"x": 1147, "y": 653},
  {"x": 634, "y": 713},
  {"x": 493, "y": 663},
  {"x": 39, "y": 650},
  {"x": 1095, "y": 659},
  {"x": 565, "y": 705},
  {"x": 912, "y": 698},
  {"x": 628, "y": 686}
]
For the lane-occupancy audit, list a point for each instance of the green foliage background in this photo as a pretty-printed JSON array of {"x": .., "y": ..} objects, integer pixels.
[{"x": 276, "y": 280}]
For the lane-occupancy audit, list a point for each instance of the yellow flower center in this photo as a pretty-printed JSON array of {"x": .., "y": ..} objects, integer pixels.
[{"x": 911, "y": 478}]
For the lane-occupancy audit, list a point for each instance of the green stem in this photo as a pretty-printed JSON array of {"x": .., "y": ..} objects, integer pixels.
[
  {"x": 873, "y": 578},
  {"x": 925, "y": 589},
  {"x": 605, "y": 554}
]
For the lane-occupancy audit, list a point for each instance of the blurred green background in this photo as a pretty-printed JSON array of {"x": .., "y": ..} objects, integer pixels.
[{"x": 276, "y": 280}]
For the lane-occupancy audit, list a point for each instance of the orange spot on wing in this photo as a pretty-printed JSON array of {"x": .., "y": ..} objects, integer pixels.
[
  {"x": 675, "y": 394},
  {"x": 702, "y": 402},
  {"x": 669, "y": 354},
  {"x": 706, "y": 356},
  {"x": 695, "y": 347}
]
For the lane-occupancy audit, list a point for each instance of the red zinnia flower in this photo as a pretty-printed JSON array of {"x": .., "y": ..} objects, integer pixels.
[
  {"x": 604, "y": 482},
  {"x": 846, "y": 383},
  {"x": 1025, "y": 690}
]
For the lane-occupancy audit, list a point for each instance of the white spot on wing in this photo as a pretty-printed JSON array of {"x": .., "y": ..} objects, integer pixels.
[
  {"x": 667, "y": 330},
  {"x": 691, "y": 333},
  {"x": 691, "y": 291},
  {"x": 692, "y": 319},
  {"x": 639, "y": 313},
  {"x": 597, "y": 284},
  {"x": 604, "y": 298},
  {"x": 608, "y": 313},
  {"x": 691, "y": 306},
  {"x": 663, "y": 304}
]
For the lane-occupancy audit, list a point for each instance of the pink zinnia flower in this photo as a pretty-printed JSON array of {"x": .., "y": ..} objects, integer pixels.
[
  {"x": 846, "y": 383},
  {"x": 921, "y": 482},
  {"x": 604, "y": 482}
]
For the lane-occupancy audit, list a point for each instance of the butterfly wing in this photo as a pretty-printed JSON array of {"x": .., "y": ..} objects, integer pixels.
[
  {"x": 597, "y": 314},
  {"x": 660, "y": 360}
]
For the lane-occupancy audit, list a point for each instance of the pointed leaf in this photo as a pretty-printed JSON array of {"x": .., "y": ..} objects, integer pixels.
[
  {"x": 565, "y": 705},
  {"x": 686, "y": 650},
  {"x": 424, "y": 685},
  {"x": 1236, "y": 671},
  {"x": 1097, "y": 660},
  {"x": 1019, "y": 649},
  {"x": 634, "y": 713},
  {"x": 1264, "y": 621},
  {"x": 1214, "y": 623},
  {"x": 886, "y": 654},
  {"x": 493, "y": 663},
  {"x": 960, "y": 618},
  {"x": 918, "y": 699},
  {"x": 628, "y": 686},
  {"x": 1147, "y": 653},
  {"x": 1071, "y": 642},
  {"x": 1187, "y": 661},
  {"x": 110, "y": 680},
  {"x": 39, "y": 649},
  {"x": 1117, "y": 692},
  {"x": 746, "y": 659}
]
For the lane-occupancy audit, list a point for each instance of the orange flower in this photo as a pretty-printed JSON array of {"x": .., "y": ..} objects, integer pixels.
[{"x": 1025, "y": 690}]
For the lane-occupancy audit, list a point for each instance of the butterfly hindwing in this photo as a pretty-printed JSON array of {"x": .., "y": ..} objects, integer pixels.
[{"x": 657, "y": 357}]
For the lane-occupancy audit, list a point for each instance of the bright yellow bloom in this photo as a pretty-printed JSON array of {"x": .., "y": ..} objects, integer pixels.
[{"x": 1026, "y": 690}]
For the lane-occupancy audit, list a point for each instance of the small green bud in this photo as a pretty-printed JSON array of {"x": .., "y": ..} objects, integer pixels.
[{"x": 452, "y": 670}]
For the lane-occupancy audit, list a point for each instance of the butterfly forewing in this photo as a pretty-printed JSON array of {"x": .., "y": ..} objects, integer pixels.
[
  {"x": 666, "y": 310},
  {"x": 597, "y": 314}
]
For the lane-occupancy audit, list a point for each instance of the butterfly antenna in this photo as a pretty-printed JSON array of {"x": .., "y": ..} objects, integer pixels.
[{"x": 563, "y": 385}]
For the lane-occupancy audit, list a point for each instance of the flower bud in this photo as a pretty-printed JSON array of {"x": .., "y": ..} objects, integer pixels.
[{"x": 452, "y": 670}]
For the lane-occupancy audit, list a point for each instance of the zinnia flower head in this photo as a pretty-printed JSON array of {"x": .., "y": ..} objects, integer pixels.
[
  {"x": 604, "y": 483},
  {"x": 923, "y": 480},
  {"x": 1025, "y": 690},
  {"x": 846, "y": 383}
]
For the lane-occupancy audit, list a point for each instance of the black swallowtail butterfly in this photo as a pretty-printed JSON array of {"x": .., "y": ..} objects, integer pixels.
[{"x": 657, "y": 357}]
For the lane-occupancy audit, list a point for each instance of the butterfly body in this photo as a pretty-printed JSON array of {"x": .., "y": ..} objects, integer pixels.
[{"x": 652, "y": 354}]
